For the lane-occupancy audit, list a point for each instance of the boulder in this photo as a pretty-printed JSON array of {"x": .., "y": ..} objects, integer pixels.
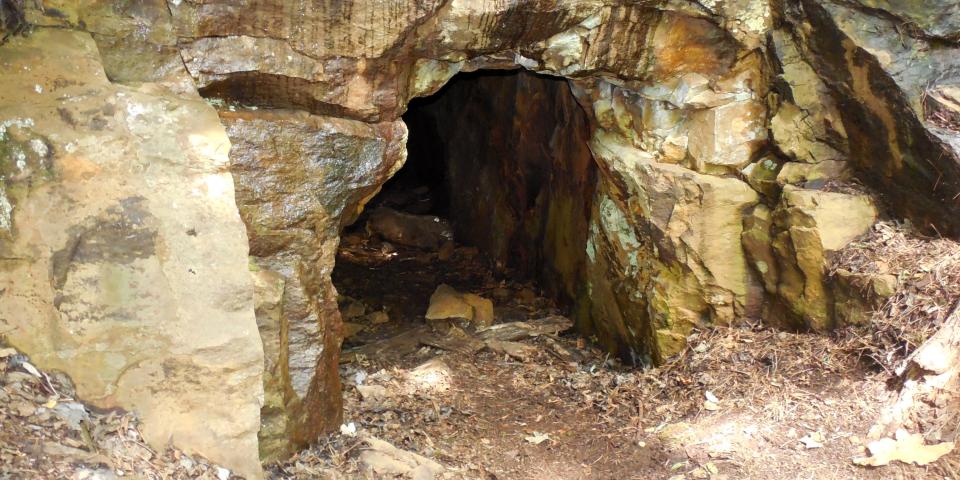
[
  {"x": 882, "y": 70},
  {"x": 680, "y": 250},
  {"x": 124, "y": 259}
]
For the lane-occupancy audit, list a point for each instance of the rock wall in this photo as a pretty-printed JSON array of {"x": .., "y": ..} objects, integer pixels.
[{"x": 738, "y": 143}]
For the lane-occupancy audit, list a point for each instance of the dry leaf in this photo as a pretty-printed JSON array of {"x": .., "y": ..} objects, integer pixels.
[
  {"x": 31, "y": 369},
  {"x": 906, "y": 448},
  {"x": 813, "y": 440},
  {"x": 537, "y": 438},
  {"x": 7, "y": 352}
]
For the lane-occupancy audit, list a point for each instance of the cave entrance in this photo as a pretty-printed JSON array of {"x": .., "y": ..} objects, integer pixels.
[{"x": 485, "y": 223}]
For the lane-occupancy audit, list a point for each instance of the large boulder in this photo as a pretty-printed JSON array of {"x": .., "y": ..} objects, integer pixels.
[
  {"x": 124, "y": 258},
  {"x": 880, "y": 66}
]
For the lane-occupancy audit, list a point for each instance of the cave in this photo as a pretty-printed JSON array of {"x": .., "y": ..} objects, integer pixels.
[
  {"x": 494, "y": 201},
  {"x": 667, "y": 235}
]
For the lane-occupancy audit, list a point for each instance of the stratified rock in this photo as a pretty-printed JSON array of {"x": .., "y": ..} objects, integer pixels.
[
  {"x": 936, "y": 18},
  {"x": 124, "y": 259},
  {"x": 881, "y": 72},
  {"x": 807, "y": 126},
  {"x": 299, "y": 178}
]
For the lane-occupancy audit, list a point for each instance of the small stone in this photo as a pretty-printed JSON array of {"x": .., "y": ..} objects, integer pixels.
[
  {"x": 378, "y": 317},
  {"x": 372, "y": 392},
  {"x": 446, "y": 303},
  {"x": 351, "y": 329}
]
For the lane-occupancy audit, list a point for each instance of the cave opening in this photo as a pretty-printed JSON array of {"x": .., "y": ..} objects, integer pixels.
[{"x": 485, "y": 223}]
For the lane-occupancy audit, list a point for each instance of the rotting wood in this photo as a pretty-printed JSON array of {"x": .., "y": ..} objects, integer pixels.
[{"x": 512, "y": 331}]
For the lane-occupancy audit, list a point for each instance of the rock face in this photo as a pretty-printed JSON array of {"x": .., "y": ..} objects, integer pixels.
[
  {"x": 692, "y": 168},
  {"x": 299, "y": 178},
  {"x": 123, "y": 254},
  {"x": 881, "y": 73}
]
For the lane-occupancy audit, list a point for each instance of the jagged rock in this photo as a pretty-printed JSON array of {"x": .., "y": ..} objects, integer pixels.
[
  {"x": 727, "y": 136},
  {"x": 808, "y": 224},
  {"x": 882, "y": 71},
  {"x": 936, "y": 18},
  {"x": 757, "y": 244},
  {"x": 138, "y": 286},
  {"x": 807, "y": 125},
  {"x": 682, "y": 254},
  {"x": 299, "y": 178},
  {"x": 796, "y": 173},
  {"x": 762, "y": 176}
]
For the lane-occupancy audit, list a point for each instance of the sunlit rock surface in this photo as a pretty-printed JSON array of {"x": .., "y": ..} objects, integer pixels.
[{"x": 123, "y": 253}]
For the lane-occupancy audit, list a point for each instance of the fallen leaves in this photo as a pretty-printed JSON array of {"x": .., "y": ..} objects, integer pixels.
[
  {"x": 537, "y": 438},
  {"x": 712, "y": 403},
  {"x": 906, "y": 448},
  {"x": 813, "y": 440}
]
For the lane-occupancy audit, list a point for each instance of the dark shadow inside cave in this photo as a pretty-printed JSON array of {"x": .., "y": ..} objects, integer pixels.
[{"x": 493, "y": 201}]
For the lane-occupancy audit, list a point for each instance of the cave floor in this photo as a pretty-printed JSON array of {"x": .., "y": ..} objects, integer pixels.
[{"x": 744, "y": 402}]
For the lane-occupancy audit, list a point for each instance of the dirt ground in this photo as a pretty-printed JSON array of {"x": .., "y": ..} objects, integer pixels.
[{"x": 744, "y": 402}]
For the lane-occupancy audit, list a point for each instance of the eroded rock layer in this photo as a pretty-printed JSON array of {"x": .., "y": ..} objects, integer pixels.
[{"x": 737, "y": 144}]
